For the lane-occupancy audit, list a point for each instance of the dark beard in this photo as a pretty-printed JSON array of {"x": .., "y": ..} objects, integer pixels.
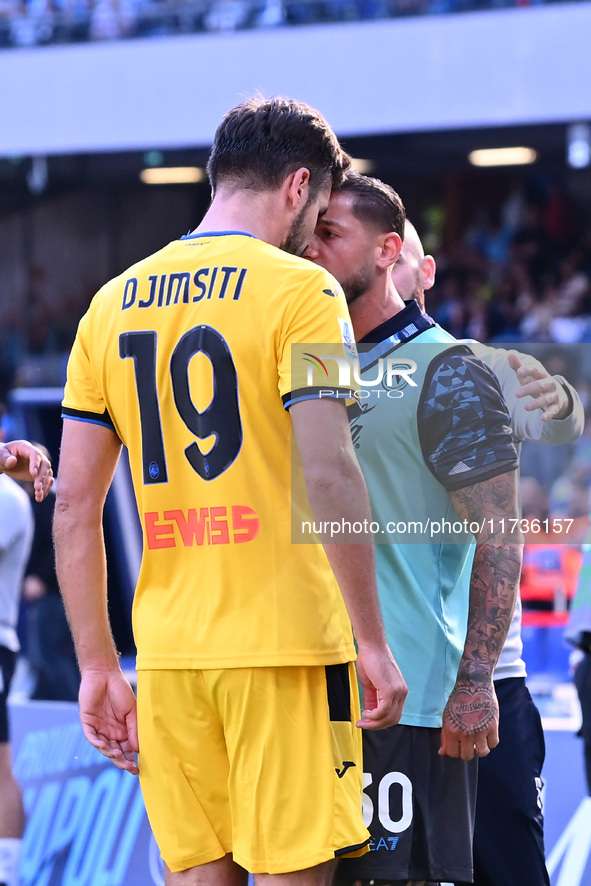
[
  {"x": 358, "y": 284},
  {"x": 294, "y": 242}
]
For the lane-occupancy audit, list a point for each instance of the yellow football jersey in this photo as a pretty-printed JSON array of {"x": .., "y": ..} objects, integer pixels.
[{"x": 187, "y": 357}]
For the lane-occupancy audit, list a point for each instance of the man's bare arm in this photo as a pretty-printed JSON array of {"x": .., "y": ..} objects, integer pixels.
[
  {"x": 89, "y": 455},
  {"x": 336, "y": 491},
  {"x": 470, "y": 719}
]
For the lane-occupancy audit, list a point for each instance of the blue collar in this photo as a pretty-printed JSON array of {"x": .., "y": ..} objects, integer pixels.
[{"x": 403, "y": 326}]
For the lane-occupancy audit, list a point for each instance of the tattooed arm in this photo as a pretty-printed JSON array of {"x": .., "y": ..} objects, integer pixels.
[{"x": 470, "y": 718}]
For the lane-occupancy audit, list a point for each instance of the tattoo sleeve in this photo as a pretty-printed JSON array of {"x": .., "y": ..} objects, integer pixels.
[{"x": 494, "y": 584}]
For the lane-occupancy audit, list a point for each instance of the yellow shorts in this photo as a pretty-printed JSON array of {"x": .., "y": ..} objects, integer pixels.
[{"x": 263, "y": 763}]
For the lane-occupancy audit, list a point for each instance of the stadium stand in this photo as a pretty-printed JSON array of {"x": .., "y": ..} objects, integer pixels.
[{"x": 27, "y": 23}]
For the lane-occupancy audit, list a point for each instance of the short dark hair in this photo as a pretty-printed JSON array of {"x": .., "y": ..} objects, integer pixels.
[
  {"x": 261, "y": 141},
  {"x": 374, "y": 202}
]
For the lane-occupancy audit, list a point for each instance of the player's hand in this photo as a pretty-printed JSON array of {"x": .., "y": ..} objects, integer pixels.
[
  {"x": 109, "y": 716},
  {"x": 22, "y": 461},
  {"x": 546, "y": 391},
  {"x": 384, "y": 688},
  {"x": 470, "y": 721}
]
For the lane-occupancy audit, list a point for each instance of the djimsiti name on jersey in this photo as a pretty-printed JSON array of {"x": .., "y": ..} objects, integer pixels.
[{"x": 183, "y": 287}]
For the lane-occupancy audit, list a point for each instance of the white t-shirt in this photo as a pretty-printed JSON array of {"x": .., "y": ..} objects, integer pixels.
[{"x": 16, "y": 535}]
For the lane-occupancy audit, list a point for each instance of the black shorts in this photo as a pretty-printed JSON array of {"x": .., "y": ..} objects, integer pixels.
[
  {"x": 509, "y": 831},
  {"x": 419, "y": 808},
  {"x": 7, "y": 664}
]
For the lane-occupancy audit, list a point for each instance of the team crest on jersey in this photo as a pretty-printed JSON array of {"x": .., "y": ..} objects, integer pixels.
[{"x": 347, "y": 337}]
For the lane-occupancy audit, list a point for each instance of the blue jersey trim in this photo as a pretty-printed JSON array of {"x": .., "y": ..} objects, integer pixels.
[
  {"x": 89, "y": 421},
  {"x": 90, "y": 418},
  {"x": 315, "y": 393},
  {"x": 218, "y": 234}
]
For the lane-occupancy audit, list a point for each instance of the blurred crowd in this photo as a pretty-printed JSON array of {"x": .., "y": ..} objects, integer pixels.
[
  {"x": 521, "y": 273},
  {"x": 41, "y": 22}
]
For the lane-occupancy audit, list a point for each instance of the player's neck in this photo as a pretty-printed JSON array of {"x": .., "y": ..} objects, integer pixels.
[
  {"x": 255, "y": 213},
  {"x": 374, "y": 307}
]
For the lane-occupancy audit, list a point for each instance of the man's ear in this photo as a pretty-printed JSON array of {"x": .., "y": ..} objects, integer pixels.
[
  {"x": 297, "y": 187},
  {"x": 390, "y": 249},
  {"x": 428, "y": 268}
]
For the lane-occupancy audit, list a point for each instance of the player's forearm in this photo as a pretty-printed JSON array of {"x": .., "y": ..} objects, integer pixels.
[
  {"x": 496, "y": 570},
  {"x": 494, "y": 585},
  {"x": 354, "y": 568},
  {"x": 338, "y": 494},
  {"x": 82, "y": 576}
]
